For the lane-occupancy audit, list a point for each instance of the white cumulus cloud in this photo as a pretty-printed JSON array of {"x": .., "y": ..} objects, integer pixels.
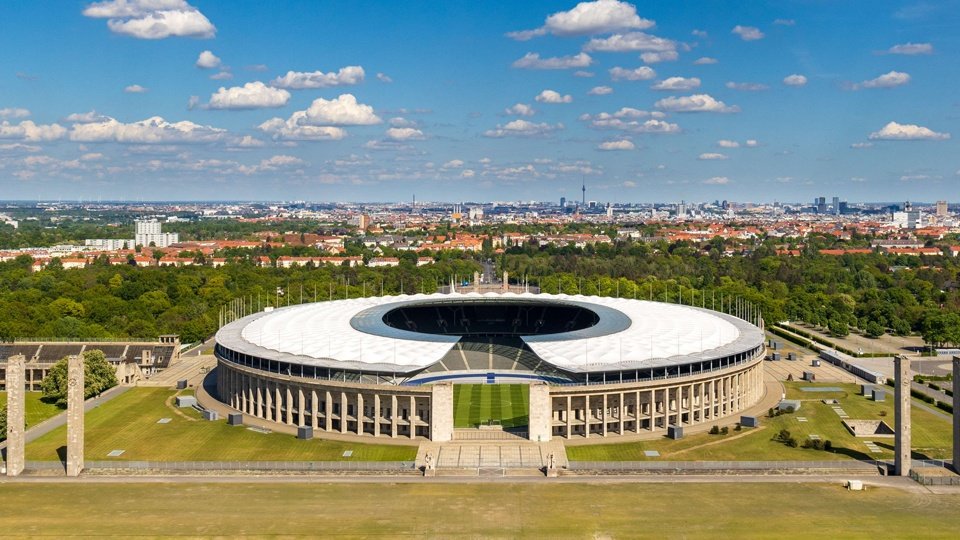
[
  {"x": 253, "y": 95},
  {"x": 405, "y": 134},
  {"x": 152, "y": 19},
  {"x": 631, "y": 42},
  {"x": 639, "y": 74},
  {"x": 656, "y": 57},
  {"x": 31, "y": 132},
  {"x": 695, "y": 103},
  {"x": 520, "y": 109},
  {"x": 298, "y": 80},
  {"x": 795, "y": 80},
  {"x": 522, "y": 128},
  {"x": 887, "y": 80},
  {"x": 710, "y": 156},
  {"x": 911, "y": 49},
  {"x": 727, "y": 143},
  {"x": 208, "y": 60},
  {"x": 598, "y": 16},
  {"x": 600, "y": 91},
  {"x": 342, "y": 111},
  {"x": 149, "y": 131},
  {"x": 14, "y": 112},
  {"x": 705, "y": 61},
  {"x": 747, "y": 33},
  {"x": 533, "y": 61},
  {"x": 551, "y": 96},
  {"x": 135, "y": 89},
  {"x": 907, "y": 132},
  {"x": 677, "y": 84},
  {"x": 622, "y": 144}
]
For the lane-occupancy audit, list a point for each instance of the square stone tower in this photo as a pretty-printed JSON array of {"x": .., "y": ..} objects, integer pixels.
[
  {"x": 441, "y": 412},
  {"x": 16, "y": 422},
  {"x": 75, "y": 387},
  {"x": 901, "y": 413},
  {"x": 540, "y": 412}
]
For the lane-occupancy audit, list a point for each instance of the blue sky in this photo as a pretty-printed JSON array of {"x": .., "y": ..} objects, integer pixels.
[{"x": 375, "y": 101}]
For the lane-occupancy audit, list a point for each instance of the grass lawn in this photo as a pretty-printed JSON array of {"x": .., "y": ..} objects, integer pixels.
[
  {"x": 37, "y": 411},
  {"x": 931, "y": 434},
  {"x": 476, "y": 404},
  {"x": 129, "y": 422},
  {"x": 486, "y": 510}
]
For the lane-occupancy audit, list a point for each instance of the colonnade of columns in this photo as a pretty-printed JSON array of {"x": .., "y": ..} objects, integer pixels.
[
  {"x": 348, "y": 409},
  {"x": 589, "y": 411}
]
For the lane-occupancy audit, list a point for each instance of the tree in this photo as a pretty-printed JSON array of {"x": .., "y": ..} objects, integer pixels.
[
  {"x": 98, "y": 376},
  {"x": 873, "y": 329}
]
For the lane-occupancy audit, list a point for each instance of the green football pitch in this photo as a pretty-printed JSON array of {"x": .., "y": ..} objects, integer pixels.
[{"x": 476, "y": 404}]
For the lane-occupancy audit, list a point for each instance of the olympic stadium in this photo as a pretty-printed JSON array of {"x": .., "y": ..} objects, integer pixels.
[{"x": 592, "y": 366}]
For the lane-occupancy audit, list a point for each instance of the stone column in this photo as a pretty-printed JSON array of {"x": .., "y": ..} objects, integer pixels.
[
  {"x": 301, "y": 407},
  {"x": 603, "y": 416},
  {"x": 314, "y": 410},
  {"x": 393, "y": 415},
  {"x": 328, "y": 412},
  {"x": 956, "y": 413},
  {"x": 344, "y": 404},
  {"x": 441, "y": 412},
  {"x": 569, "y": 416},
  {"x": 376, "y": 415},
  {"x": 75, "y": 382},
  {"x": 901, "y": 458},
  {"x": 412, "y": 417},
  {"x": 360, "y": 415},
  {"x": 541, "y": 427},
  {"x": 16, "y": 420}
]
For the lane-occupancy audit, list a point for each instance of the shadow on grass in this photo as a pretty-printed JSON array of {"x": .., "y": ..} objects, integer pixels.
[
  {"x": 62, "y": 455},
  {"x": 913, "y": 453}
]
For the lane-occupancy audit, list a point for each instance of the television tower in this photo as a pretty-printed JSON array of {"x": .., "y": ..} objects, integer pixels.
[{"x": 583, "y": 189}]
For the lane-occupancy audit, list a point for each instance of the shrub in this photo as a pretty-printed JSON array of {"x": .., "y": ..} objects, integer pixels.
[
  {"x": 724, "y": 430},
  {"x": 827, "y": 445},
  {"x": 788, "y": 409},
  {"x": 883, "y": 413},
  {"x": 792, "y": 442},
  {"x": 771, "y": 413},
  {"x": 737, "y": 427}
]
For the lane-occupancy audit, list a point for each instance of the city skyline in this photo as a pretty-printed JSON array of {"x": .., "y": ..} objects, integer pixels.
[{"x": 365, "y": 101}]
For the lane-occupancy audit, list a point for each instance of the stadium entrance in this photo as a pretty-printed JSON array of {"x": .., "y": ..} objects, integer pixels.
[{"x": 482, "y": 411}]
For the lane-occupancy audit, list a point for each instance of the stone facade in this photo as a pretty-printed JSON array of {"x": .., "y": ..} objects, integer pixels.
[
  {"x": 596, "y": 410},
  {"x": 620, "y": 409},
  {"x": 16, "y": 411},
  {"x": 75, "y": 387}
]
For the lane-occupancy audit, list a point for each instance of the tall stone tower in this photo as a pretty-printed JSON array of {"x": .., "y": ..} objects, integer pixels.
[
  {"x": 75, "y": 386},
  {"x": 901, "y": 413},
  {"x": 15, "y": 415}
]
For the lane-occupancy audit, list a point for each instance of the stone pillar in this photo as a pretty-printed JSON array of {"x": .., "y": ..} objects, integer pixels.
[
  {"x": 541, "y": 427},
  {"x": 441, "y": 412},
  {"x": 328, "y": 412},
  {"x": 506, "y": 281},
  {"x": 901, "y": 458},
  {"x": 394, "y": 413},
  {"x": 16, "y": 419},
  {"x": 376, "y": 415},
  {"x": 569, "y": 416},
  {"x": 344, "y": 404},
  {"x": 956, "y": 413},
  {"x": 603, "y": 416},
  {"x": 301, "y": 407},
  {"x": 360, "y": 415},
  {"x": 75, "y": 387},
  {"x": 314, "y": 410},
  {"x": 412, "y": 417}
]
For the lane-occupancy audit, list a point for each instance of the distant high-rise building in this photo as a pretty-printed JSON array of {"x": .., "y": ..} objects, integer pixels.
[
  {"x": 836, "y": 206},
  {"x": 942, "y": 209},
  {"x": 563, "y": 202},
  {"x": 149, "y": 232},
  {"x": 364, "y": 222},
  {"x": 682, "y": 209},
  {"x": 821, "y": 204}
]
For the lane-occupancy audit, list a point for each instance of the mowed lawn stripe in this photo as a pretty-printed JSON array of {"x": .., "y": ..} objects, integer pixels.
[
  {"x": 496, "y": 409},
  {"x": 129, "y": 422}
]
